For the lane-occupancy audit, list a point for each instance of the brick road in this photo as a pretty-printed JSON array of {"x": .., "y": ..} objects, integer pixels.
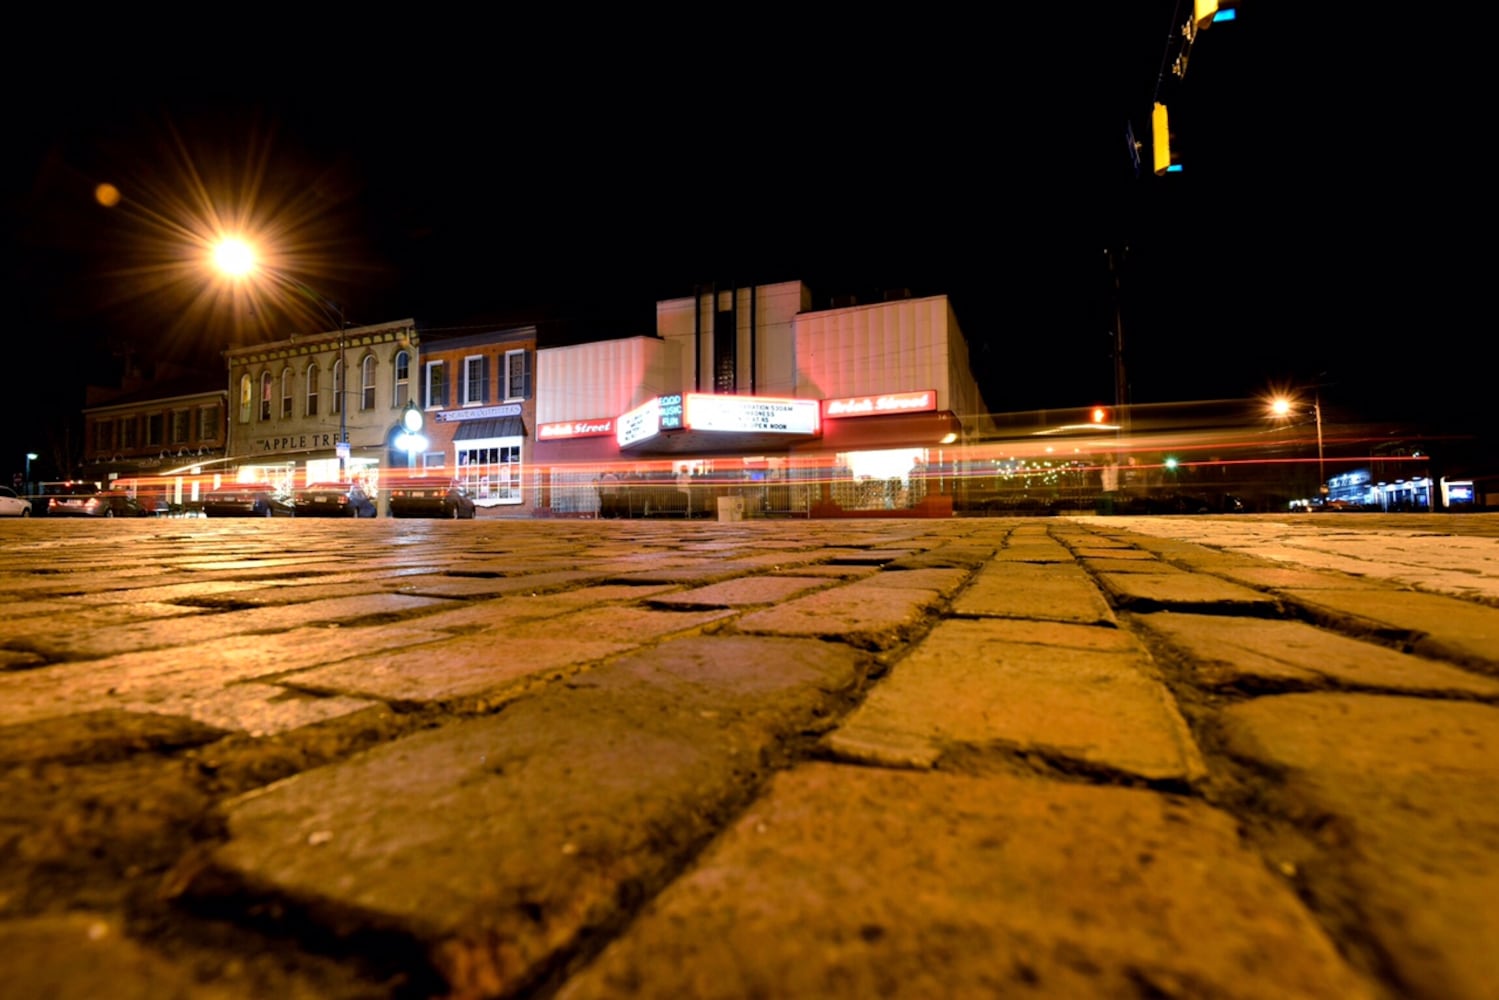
[{"x": 1166, "y": 757}]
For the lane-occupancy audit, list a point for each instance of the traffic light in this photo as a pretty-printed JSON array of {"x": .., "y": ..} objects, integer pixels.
[
  {"x": 1160, "y": 135},
  {"x": 1206, "y": 12},
  {"x": 1100, "y": 415}
]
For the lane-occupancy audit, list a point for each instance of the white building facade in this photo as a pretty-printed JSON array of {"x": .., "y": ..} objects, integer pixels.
[{"x": 751, "y": 391}]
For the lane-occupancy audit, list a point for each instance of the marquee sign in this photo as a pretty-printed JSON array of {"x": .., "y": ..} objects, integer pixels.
[
  {"x": 880, "y": 405},
  {"x": 639, "y": 424},
  {"x": 574, "y": 429},
  {"x": 753, "y": 414}
]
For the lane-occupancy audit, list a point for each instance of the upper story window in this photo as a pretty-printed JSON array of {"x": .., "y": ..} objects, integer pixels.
[
  {"x": 181, "y": 426},
  {"x": 312, "y": 377},
  {"x": 104, "y": 435},
  {"x": 285, "y": 393},
  {"x": 208, "y": 423},
  {"x": 265, "y": 395},
  {"x": 403, "y": 379},
  {"x": 517, "y": 374},
  {"x": 437, "y": 386},
  {"x": 338, "y": 387},
  {"x": 475, "y": 379},
  {"x": 367, "y": 383},
  {"x": 155, "y": 422},
  {"x": 246, "y": 401},
  {"x": 127, "y": 432}
]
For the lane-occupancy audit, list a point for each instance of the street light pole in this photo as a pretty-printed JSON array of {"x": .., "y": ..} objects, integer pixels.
[
  {"x": 1321, "y": 463},
  {"x": 30, "y": 457}
]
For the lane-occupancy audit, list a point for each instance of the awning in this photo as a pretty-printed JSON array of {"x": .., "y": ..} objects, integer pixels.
[{"x": 499, "y": 427}]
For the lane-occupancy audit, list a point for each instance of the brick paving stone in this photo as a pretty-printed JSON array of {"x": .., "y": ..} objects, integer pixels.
[
  {"x": 1149, "y": 564},
  {"x": 1183, "y": 592},
  {"x": 1279, "y": 578},
  {"x": 1238, "y": 652},
  {"x": 1400, "y": 791},
  {"x": 193, "y": 671},
  {"x": 867, "y": 614},
  {"x": 1069, "y": 693},
  {"x": 193, "y": 625},
  {"x": 943, "y": 581},
  {"x": 448, "y": 585},
  {"x": 496, "y": 842},
  {"x": 740, "y": 593},
  {"x": 81, "y": 956},
  {"x": 851, "y": 883},
  {"x": 255, "y": 709},
  {"x": 1438, "y": 625},
  {"x": 1024, "y": 590},
  {"x": 633, "y": 626},
  {"x": 493, "y": 666}
]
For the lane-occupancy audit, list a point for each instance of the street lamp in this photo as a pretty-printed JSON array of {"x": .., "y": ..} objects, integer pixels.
[
  {"x": 237, "y": 259},
  {"x": 1281, "y": 408},
  {"x": 30, "y": 457}
]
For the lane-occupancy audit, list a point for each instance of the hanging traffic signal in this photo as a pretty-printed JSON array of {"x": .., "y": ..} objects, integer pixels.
[
  {"x": 1160, "y": 134},
  {"x": 1100, "y": 415}
]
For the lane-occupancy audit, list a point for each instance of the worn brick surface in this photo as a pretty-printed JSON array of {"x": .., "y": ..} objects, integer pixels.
[
  {"x": 1006, "y": 887},
  {"x": 1408, "y": 788},
  {"x": 1225, "y": 652},
  {"x": 1068, "y": 693},
  {"x": 512, "y": 757},
  {"x": 1024, "y": 590}
]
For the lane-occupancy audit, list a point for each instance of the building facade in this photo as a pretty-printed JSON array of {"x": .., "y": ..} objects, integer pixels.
[
  {"x": 750, "y": 391},
  {"x": 323, "y": 407},
  {"x": 153, "y": 437},
  {"x": 478, "y": 400}
]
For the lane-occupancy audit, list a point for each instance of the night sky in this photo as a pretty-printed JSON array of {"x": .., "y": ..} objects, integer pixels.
[{"x": 488, "y": 177}]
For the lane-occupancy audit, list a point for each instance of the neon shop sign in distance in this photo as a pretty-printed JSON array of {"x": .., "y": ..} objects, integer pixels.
[
  {"x": 881, "y": 404},
  {"x": 575, "y": 428}
]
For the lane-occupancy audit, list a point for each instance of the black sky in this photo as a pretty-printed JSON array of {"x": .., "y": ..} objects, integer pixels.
[{"x": 460, "y": 173}]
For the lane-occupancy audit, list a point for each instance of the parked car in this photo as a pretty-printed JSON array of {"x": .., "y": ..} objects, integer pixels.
[
  {"x": 101, "y": 503},
  {"x": 12, "y": 504},
  {"x": 247, "y": 500},
  {"x": 332, "y": 500},
  {"x": 430, "y": 498}
]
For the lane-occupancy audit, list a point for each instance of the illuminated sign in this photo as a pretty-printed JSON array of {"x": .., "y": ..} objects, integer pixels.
[
  {"x": 874, "y": 406},
  {"x": 479, "y": 413},
  {"x": 671, "y": 412},
  {"x": 705, "y": 412},
  {"x": 639, "y": 424},
  {"x": 575, "y": 429}
]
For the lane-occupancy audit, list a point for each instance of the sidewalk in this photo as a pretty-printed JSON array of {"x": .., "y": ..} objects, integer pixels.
[{"x": 1177, "y": 757}]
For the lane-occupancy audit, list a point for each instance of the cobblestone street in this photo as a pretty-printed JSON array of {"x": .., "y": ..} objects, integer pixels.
[{"x": 1245, "y": 756}]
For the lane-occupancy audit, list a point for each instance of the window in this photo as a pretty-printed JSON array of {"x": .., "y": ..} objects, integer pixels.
[
  {"x": 182, "y": 425},
  {"x": 475, "y": 379},
  {"x": 517, "y": 374},
  {"x": 127, "y": 432},
  {"x": 104, "y": 435},
  {"x": 403, "y": 377},
  {"x": 154, "y": 421},
  {"x": 312, "y": 377},
  {"x": 208, "y": 423},
  {"x": 367, "y": 383},
  {"x": 265, "y": 396},
  {"x": 437, "y": 385},
  {"x": 285, "y": 393},
  {"x": 338, "y": 386},
  {"x": 246, "y": 400}
]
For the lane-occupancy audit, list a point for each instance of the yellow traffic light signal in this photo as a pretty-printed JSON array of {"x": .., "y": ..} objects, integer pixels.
[
  {"x": 1160, "y": 136},
  {"x": 1100, "y": 415}
]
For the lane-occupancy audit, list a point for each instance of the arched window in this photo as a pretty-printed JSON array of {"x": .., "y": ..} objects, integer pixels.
[
  {"x": 266, "y": 385},
  {"x": 403, "y": 378},
  {"x": 338, "y": 386},
  {"x": 367, "y": 383},
  {"x": 312, "y": 376},
  {"x": 285, "y": 393},
  {"x": 246, "y": 398}
]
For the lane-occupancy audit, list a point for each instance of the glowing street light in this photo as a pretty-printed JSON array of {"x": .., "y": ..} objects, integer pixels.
[
  {"x": 237, "y": 259},
  {"x": 1281, "y": 408}
]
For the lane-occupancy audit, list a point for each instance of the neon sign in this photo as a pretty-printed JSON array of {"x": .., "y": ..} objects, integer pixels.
[{"x": 874, "y": 406}]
